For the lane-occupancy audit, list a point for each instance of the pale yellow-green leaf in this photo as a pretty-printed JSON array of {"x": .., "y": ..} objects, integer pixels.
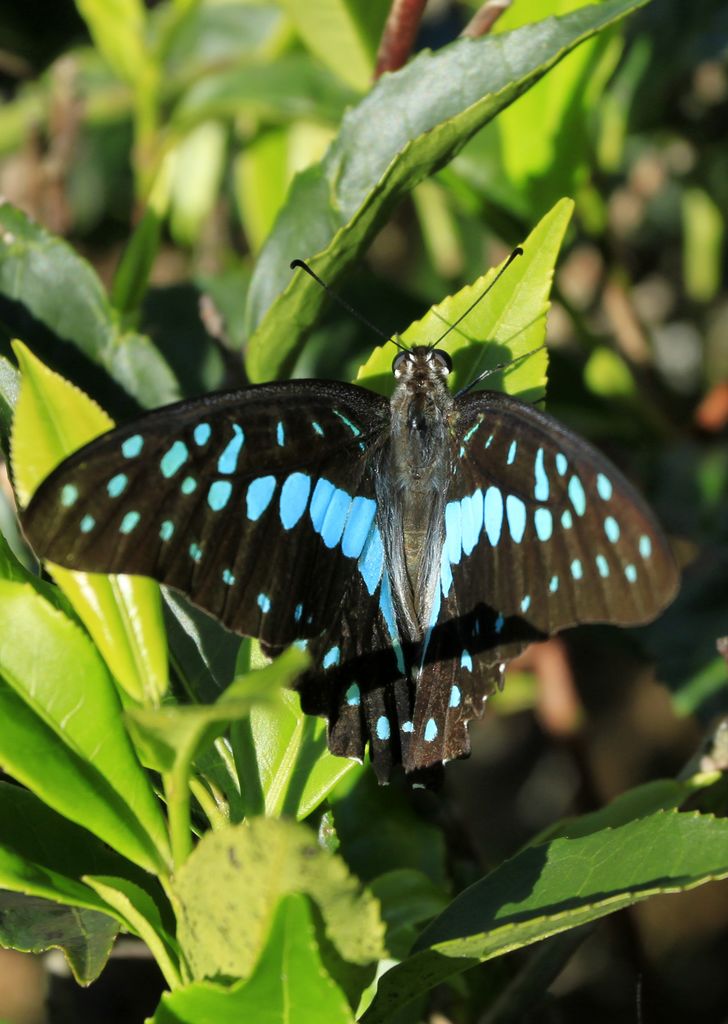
[{"x": 122, "y": 613}]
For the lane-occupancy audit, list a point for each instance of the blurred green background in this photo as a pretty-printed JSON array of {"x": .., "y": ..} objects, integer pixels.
[{"x": 203, "y": 113}]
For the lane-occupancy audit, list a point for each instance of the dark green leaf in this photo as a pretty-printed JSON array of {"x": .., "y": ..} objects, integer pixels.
[
  {"x": 334, "y": 209},
  {"x": 547, "y": 889},
  {"x": 34, "y": 925},
  {"x": 62, "y": 291}
]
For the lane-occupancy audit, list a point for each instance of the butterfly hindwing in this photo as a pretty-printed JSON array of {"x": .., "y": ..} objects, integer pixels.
[{"x": 257, "y": 504}]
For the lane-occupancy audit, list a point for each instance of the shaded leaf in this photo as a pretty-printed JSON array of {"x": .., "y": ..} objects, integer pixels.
[
  {"x": 63, "y": 292},
  {"x": 34, "y": 925},
  {"x": 547, "y": 889},
  {"x": 232, "y": 883}
]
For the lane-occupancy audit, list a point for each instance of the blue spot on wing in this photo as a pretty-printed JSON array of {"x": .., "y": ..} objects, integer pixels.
[
  {"x": 543, "y": 521},
  {"x": 228, "y": 461},
  {"x": 604, "y": 487},
  {"x": 320, "y": 499},
  {"x": 219, "y": 494},
  {"x": 516, "y": 515},
  {"x": 294, "y": 498},
  {"x": 358, "y": 525},
  {"x": 334, "y": 522},
  {"x": 258, "y": 498},
  {"x": 332, "y": 657},
  {"x": 431, "y": 730},
  {"x": 69, "y": 495},
  {"x": 471, "y": 513},
  {"x": 129, "y": 522},
  {"x": 387, "y": 609},
  {"x": 371, "y": 562},
  {"x": 493, "y": 514},
  {"x": 541, "y": 487},
  {"x": 577, "y": 496},
  {"x": 382, "y": 728},
  {"x": 202, "y": 433},
  {"x": 115, "y": 486},
  {"x": 611, "y": 528},
  {"x": 173, "y": 459},
  {"x": 132, "y": 446}
]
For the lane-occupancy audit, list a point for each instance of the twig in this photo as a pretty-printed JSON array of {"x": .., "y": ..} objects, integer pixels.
[
  {"x": 398, "y": 37},
  {"x": 485, "y": 18}
]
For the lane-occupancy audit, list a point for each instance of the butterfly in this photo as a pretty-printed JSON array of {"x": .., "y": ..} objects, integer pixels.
[{"x": 413, "y": 545}]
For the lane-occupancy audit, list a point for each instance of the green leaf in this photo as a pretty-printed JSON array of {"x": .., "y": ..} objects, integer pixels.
[
  {"x": 118, "y": 28},
  {"x": 62, "y": 734},
  {"x": 12, "y": 569},
  {"x": 401, "y": 839},
  {"x": 554, "y": 116},
  {"x": 209, "y": 36},
  {"x": 198, "y": 164},
  {"x": 508, "y": 323},
  {"x": 232, "y": 883},
  {"x": 292, "y": 88},
  {"x": 141, "y": 916},
  {"x": 284, "y": 760},
  {"x": 261, "y": 181},
  {"x": 407, "y": 898},
  {"x": 658, "y": 795},
  {"x": 34, "y": 925},
  {"x": 170, "y": 737},
  {"x": 122, "y": 613},
  {"x": 63, "y": 292},
  {"x": 43, "y": 854},
  {"x": 335, "y": 209},
  {"x": 288, "y": 986},
  {"x": 342, "y": 34},
  {"x": 9, "y": 389},
  {"x": 548, "y": 889}
]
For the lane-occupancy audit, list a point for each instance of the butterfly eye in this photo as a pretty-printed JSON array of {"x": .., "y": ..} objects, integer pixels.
[
  {"x": 398, "y": 362},
  {"x": 443, "y": 358}
]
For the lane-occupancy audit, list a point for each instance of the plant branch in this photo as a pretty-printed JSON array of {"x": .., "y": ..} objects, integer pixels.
[
  {"x": 398, "y": 37},
  {"x": 485, "y": 18}
]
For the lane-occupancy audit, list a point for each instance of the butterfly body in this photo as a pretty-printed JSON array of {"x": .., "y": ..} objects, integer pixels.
[{"x": 413, "y": 545}]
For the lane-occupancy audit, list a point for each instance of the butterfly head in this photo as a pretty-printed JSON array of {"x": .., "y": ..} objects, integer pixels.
[{"x": 421, "y": 366}]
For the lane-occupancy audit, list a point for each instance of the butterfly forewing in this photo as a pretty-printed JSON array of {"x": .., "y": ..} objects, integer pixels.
[
  {"x": 542, "y": 527},
  {"x": 257, "y": 504}
]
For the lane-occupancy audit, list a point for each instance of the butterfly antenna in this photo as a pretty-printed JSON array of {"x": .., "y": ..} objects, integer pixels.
[
  {"x": 518, "y": 251},
  {"x": 345, "y": 305},
  {"x": 496, "y": 368}
]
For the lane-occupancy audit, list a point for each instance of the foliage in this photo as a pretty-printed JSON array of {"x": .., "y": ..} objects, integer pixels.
[{"x": 165, "y": 782}]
